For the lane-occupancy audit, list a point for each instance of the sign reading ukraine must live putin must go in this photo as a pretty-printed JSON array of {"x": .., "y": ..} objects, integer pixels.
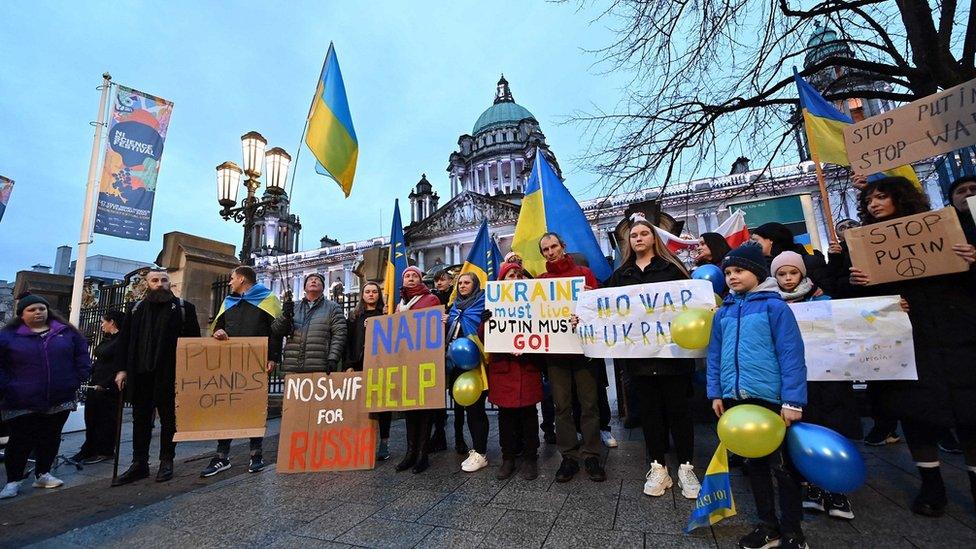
[
  {"x": 532, "y": 316},
  {"x": 403, "y": 361}
]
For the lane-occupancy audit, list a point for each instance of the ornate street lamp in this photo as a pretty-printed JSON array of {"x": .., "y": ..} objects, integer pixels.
[{"x": 277, "y": 162}]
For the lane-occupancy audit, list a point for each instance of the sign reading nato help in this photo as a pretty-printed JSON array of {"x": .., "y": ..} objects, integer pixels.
[{"x": 127, "y": 188}]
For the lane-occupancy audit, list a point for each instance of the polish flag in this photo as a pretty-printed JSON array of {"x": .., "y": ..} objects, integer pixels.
[{"x": 733, "y": 229}]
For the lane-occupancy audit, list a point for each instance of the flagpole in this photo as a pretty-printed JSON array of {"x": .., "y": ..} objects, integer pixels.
[
  {"x": 86, "y": 219},
  {"x": 825, "y": 203}
]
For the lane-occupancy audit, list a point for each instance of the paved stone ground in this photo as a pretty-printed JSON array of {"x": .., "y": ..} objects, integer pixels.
[{"x": 445, "y": 507}]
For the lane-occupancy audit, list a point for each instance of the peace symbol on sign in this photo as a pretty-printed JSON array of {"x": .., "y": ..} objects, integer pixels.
[{"x": 910, "y": 267}]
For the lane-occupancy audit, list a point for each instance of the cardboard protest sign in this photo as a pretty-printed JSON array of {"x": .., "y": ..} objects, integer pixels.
[
  {"x": 532, "y": 316},
  {"x": 403, "y": 361},
  {"x": 864, "y": 339},
  {"x": 324, "y": 424},
  {"x": 635, "y": 321},
  {"x": 221, "y": 388},
  {"x": 930, "y": 126},
  {"x": 915, "y": 246}
]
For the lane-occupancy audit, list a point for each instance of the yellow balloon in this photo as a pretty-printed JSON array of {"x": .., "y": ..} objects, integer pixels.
[
  {"x": 718, "y": 300},
  {"x": 751, "y": 431},
  {"x": 468, "y": 388},
  {"x": 692, "y": 329}
]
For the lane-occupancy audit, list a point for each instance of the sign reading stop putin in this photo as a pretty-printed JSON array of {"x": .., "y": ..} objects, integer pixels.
[{"x": 915, "y": 246}]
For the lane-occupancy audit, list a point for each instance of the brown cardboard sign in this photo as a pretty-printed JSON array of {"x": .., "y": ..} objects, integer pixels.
[
  {"x": 324, "y": 424},
  {"x": 915, "y": 246},
  {"x": 403, "y": 361},
  {"x": 933, "y": 125},
  {"x": 221, "y": 388}
]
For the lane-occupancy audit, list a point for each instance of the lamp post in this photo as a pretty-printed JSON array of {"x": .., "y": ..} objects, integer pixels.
[{"x": 277, "y": 162}]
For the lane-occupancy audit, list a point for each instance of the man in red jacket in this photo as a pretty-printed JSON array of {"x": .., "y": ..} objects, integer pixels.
[{"x": 567, "y": 371}]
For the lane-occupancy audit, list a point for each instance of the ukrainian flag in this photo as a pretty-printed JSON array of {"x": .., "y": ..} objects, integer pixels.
[
  {"x": 482, "y": 259},
  {"x": 825, "y": 130},
  {"x": 330, "y": 135},
  {"x": 258, "y": 295},
  {"x": 396, "y": 262},
  {"x": 715, "y": 501},
  {"x": 548, "y": 206}
]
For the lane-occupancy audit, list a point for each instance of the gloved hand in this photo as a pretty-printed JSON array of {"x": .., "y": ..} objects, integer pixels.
[
  {"x": 288, "y": 309},
  {"x": 485, "y": 315},
  {"x": 332, "y": 365}
]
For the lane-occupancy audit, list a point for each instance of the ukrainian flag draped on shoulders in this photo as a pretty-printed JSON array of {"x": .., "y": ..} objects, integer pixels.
[
  {"x": 714, "y": 501},
  {"x": 396, "y": 261},
  {"x": 825, "y": 130},
  {"x": 257, "y": 295},
  {"x": 331, "y": 136},
  {"x": 548, "y": 206},
  {"x": 482, "y": 260}
]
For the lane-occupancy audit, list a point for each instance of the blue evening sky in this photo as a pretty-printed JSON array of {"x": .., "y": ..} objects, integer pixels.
[{"x": 417, "y": 75}]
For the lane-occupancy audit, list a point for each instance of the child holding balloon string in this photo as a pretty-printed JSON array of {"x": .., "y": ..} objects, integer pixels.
[{"x": 755, "y": 356}]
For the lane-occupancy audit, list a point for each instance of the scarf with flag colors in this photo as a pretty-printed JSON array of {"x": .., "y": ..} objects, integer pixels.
[
  {"x": 483, "y": 259},
  {"x": 733, "y": 229},
  {"x": 396, "y": 261},
  {"x": 548, "y": 207},
  {"x": 330, "y": 135},
  {"x": 714, "y": 501},
  {"x": 257, "y": 295},
  {"x": 825, "y": 131}
]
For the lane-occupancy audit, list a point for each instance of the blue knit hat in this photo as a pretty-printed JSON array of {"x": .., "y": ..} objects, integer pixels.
[{"x": 748, "y": 256}]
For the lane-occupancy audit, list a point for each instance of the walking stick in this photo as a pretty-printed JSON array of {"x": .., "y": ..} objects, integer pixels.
[{"x": 118, "y": 436}]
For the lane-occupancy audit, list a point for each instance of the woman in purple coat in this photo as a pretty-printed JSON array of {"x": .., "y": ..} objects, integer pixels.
[{"x": 43, "y": 361}]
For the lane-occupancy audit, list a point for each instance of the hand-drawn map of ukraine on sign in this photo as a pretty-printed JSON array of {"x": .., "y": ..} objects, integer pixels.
[
  {"x": 221, "y": 388},
  {"x": 403, "y": 361},
  {"x": 930, "y": 126},
  {"x": 532, "y": 316},
  {"x": 324, "y": 424},
  {"x": 914, "y": 246},
  {"x": 635, "y": 321}
]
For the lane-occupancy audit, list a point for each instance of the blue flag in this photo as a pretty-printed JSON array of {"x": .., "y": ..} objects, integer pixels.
[
  {"x": 482, "y": 259},
  {"x": 396, "y": 263}
]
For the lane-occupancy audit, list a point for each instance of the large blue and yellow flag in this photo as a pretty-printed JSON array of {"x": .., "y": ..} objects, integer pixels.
[
  {"x": 257, "y": 295},
  {"x": 548, "y": 206},
  {"x": 482, "y": 260},
  {"x": 825, "y": 130},
  {"x": 714, "y": 501},
  {"x": 396, "y": 262},
  {"x": 331, "y": 136}
]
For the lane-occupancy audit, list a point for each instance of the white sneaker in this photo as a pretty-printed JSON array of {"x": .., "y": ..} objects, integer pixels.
[
  {"x": 47, "y": 480},
  {"x": 658, "y": 480},
  {"x": 687, "y": 481},
  {"x": 608, "y": 439},
  {"x": 474, "y": 462},
  {"x": 10, "y": 490}
]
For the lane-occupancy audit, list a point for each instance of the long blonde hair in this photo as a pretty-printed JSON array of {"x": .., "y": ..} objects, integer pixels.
[{"x": 659, "y": 248}]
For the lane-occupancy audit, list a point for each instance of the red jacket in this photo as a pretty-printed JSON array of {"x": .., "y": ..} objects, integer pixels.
[
  {"x": 514, "y": 381},
  {"x": 567, "y": 267}
]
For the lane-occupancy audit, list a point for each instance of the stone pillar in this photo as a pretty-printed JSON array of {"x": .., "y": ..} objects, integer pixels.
[
  {"x": 457, "y": 254},
  {"x": 511, "y": 171},
  {"x": 477, "y": 179},
  {"x": 447, "y": 255},
  {"x": 420, "y": 260},
  {"x": 713, "y": 220},
  {"x": 348, "y": 278}
]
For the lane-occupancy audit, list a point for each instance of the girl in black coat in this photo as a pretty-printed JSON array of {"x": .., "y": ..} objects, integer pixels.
[
  {"x": 370, "y": 305},
  {"x": 101, "y": 400}
]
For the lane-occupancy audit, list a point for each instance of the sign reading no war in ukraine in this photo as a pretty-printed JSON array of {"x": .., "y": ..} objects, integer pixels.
[
  {"x": 635, "y": 321},
  {"x": 532, "y": 316}
]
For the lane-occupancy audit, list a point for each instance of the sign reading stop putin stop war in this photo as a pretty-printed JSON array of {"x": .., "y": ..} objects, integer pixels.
[
  {"x": 933, "y": 125},
  {"x": 325, "y": 425},
  {"x": 532, "y": 316},
  {"x": 221, "y": 388},
  {"x": 915, "y": 246},
  {"x": 403, "y": 361}
]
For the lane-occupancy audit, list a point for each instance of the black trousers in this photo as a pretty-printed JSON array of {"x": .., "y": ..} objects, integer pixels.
[
  {"x": 664, "y": 411},
  {"x": 143, "y": 404},
  {"x": 418, "y": 424},
  {"x": 761, "y": 472},
  {"x": 38, "y": 433},
  {"x": 384, "y": 419},
  {"x": 101, "y": 408},
  {"x": 256, "y": 446},
  {"x": 923, "y": 440},
  {"x": 477, "y": 422},
  {"x": 548, "y": 424},
  {"x": 517, "y": 429}
]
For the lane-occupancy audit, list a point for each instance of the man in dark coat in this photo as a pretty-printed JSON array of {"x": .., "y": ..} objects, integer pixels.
[
  {"x": 248, "y": 311},
  {"x": 147, "y": 345},
  {"x": 316, "y": 331}
]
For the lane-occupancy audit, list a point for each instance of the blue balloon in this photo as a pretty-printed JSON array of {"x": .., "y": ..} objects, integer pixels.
[
  {"x": 712, "y": 274},
  {"x": 826, "y": 458},
  {"x": 464, "y": 353}
]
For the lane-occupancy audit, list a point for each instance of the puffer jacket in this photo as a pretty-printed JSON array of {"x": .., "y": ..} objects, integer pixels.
[
  {"x": 316, "y": 334},
  {"x": 756, "y": 350},
  {"x": 37, "y": 373}
]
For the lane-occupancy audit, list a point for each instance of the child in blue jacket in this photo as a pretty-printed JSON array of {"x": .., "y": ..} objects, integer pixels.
[{"x": 755, "y": 356}]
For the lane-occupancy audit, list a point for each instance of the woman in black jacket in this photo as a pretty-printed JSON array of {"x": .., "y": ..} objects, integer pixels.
[
  {"x": 103, "y": 396},
  {"x": 664, "y": 384},
  {"x": 712, "y": 249},
  {"x": 370, "y": 305}
]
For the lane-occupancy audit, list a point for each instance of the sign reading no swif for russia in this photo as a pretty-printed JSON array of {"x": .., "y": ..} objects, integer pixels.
[
  {"x": 532, "y": 316},
  {"x": 403, "y": 361}
]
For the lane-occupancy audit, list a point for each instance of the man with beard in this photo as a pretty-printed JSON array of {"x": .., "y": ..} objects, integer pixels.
[{"x": 148, "y": 367}]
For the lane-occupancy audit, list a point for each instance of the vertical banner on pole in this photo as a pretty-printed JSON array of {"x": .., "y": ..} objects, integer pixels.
[
  {"x": 6, "y": 187},
  {"x": 127, "y": 187}
]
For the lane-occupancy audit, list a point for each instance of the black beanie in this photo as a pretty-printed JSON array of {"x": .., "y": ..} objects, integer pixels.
[
  {"x": 316, "y": 275},
  {"x": 28, "y": 300},
  {"x": 959, "y": 181},
  {"x": 748, "y": 256}
]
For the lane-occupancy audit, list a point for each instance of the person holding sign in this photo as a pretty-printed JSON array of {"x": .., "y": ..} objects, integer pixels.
[
  {"x": 316, "y": 332},
  {"x": 569, "y": 371},
  {"x": 664, "y": 384},
  {"x": 414, "y": 294},
  {"x": 370, "y": 305},
  {"x": 248, "y": 311},
  {"x": 942, "y": 310},
  {"x": 959, "y": 192}
]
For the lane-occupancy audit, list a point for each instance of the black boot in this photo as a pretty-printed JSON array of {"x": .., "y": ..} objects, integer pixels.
[
  {"x": 460, "y": 446},
  {"x": 438, "y": 441},
  {"x": 137, "y": 471},
  {"x": 507, "y": 469},
  {"x": 165, "y": 471},
  {"x": 423, "y": 430},
  {"x": 931, "y": 500},
  {"x": 411, "y": 456}
]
